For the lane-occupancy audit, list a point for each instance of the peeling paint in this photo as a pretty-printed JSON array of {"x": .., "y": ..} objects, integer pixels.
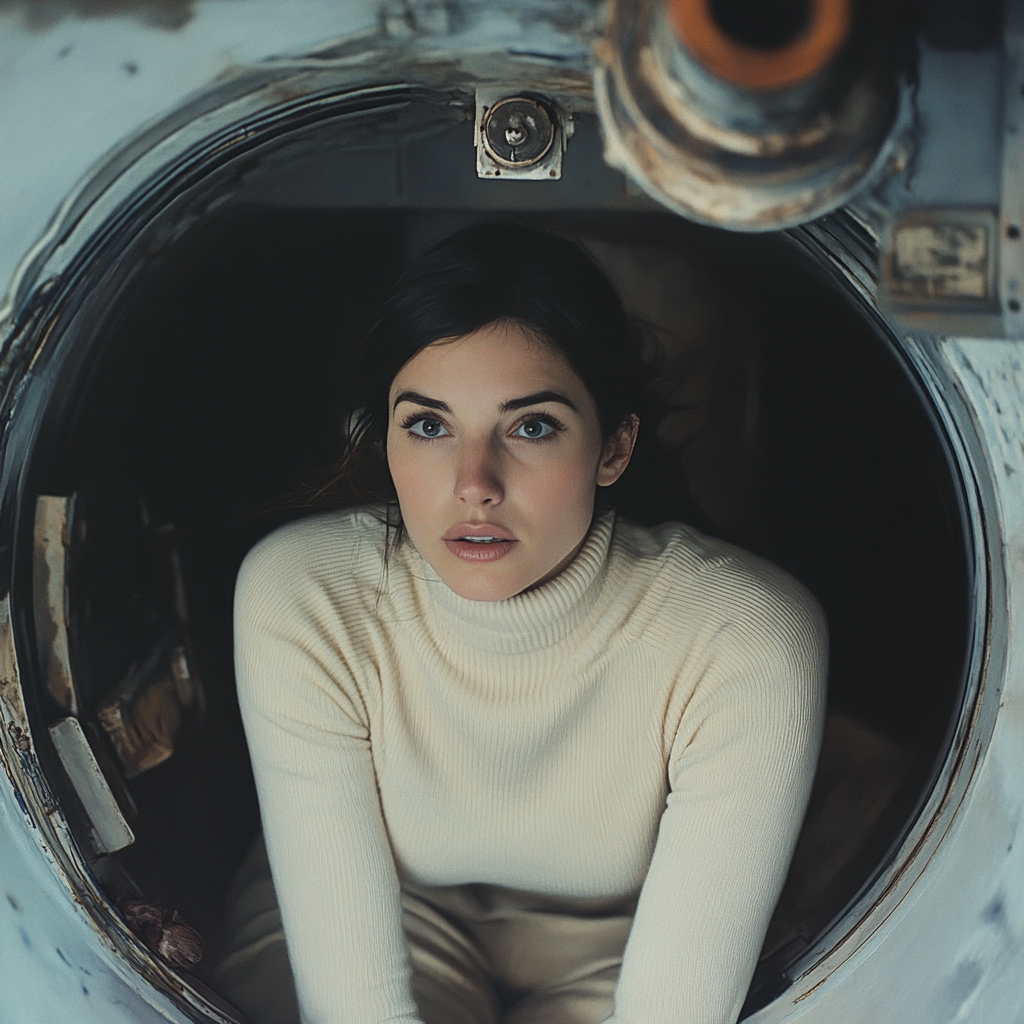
[
  {"x": 49, "y": 583},
  {"x": 57, "y": 846},
  {"x": 42, "y": 15},
  {"x": 724, "y": 155},
  {"x": 12, "y": 702}
]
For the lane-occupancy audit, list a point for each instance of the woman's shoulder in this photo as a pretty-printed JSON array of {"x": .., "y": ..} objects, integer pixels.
[
  {"x": 318, "y": 550},
  {"x": 681, "y": 570}
]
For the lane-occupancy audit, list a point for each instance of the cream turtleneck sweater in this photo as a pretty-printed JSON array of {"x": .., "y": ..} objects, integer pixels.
[{"x": 646, "y": 722}]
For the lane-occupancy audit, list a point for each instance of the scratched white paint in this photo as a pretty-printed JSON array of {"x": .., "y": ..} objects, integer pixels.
[
  {"x": 55, "y": 970},
  {"x": 71, "y": 93},
  {"x": 951, "y": 947}
]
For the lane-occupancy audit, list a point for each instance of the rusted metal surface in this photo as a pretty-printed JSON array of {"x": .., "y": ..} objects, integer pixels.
[
  {"x": 16, "y": 745},
  {"x": 54, "y": 519},
  {"x": 281, "y": 50},
  {"x": 750, "y": 160},
  {"x": 936, "y": 257},
  {"x": 162, "y": 929},
  {"x": 36, "y": 843},
  {"x": 518, "y": 137}
]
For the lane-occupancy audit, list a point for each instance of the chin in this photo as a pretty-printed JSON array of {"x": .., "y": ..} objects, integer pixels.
[
  {"x": 492, "y": 582},
  {"x": 484, "y": 589}
]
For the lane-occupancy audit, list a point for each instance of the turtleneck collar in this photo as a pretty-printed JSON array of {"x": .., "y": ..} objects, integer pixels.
[{"x": 531, "y": 621}]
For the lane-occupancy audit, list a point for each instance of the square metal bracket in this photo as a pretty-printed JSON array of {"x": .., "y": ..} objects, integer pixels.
[
  {"x": 940, "y": 271},
  {"x": 941, "y": 259},
  {"x": 541, "y": 112},
  {"x": 1011, "y": 226}
]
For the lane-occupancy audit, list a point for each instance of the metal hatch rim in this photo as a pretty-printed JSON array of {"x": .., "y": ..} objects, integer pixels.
[{"x": 234, "y": 128}]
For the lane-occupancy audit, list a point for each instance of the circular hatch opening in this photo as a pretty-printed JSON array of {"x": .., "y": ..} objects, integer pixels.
[{"x": 205, "y": 383}]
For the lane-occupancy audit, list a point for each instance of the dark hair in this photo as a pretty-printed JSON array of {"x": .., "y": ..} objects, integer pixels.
[{"x": 486, "y": 274}]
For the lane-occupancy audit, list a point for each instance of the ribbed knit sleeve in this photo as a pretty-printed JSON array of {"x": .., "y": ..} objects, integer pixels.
[
  {"x": 308, "y": 736},
  {"x": 740, "y": 772}
]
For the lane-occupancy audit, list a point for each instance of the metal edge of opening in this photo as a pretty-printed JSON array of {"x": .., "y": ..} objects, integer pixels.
[
  {"x": 130, "y": 195},
  {"x": 848, "y": 255}
]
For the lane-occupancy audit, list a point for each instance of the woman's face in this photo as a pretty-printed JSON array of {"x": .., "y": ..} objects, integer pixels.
[{"x": 495, "y": 450}]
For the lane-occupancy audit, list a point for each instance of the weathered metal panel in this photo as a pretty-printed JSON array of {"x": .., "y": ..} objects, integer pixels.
[
  {"x": 61, "y": 960},
  {"x": 95, "y": 81},
  {"x": 55, "y": 968},
  {"x": 54, "y": 517},
  {"x": 100, "y": 84},
  {"x": 950, "y": 946},
  {"x": 109, "y": 829}
]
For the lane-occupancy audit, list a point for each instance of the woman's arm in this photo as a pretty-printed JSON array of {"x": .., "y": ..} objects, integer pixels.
[
  {"x": 308, "y": 737},
  {"x": 740, "y": 775}
]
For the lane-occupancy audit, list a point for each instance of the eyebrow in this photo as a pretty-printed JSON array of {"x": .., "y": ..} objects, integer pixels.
[
  {"x": 510, "y": 406},
  {"x": 418, "y": 399},
  {"x": 535, "y": 399}
]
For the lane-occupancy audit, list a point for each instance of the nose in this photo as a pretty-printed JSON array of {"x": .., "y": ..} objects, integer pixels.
[{"x": 478, "y": 480}]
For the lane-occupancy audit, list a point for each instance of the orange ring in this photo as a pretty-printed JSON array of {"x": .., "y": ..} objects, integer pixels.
[{"x": 762, "y": 69}]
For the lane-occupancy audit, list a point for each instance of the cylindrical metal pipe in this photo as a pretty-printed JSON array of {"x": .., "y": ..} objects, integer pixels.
[
  {"x": 762, "y": 44},
  {"x": 736, "y": 116}
]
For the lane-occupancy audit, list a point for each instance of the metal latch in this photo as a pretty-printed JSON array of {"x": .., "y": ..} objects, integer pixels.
[{"x": 518, "y": 135}]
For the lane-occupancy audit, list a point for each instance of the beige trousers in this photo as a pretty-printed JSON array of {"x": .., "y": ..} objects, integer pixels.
[{"x": 480, "y": 954}]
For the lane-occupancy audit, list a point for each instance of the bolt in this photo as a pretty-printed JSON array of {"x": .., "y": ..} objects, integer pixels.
[{"x": 515, "y": 133}]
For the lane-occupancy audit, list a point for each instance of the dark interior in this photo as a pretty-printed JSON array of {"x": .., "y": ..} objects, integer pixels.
[{"x": 218, "y": 390}]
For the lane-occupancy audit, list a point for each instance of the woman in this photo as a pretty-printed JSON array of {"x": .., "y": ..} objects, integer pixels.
[{"x": 517, "y": 760}]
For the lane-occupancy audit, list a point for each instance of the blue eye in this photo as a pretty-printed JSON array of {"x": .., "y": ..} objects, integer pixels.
[
  {"x": 427, "y": 427},
  {"x": 533, "y": 429}
]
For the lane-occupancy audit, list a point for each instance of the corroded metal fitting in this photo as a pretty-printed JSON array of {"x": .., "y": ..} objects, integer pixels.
[{"x": 749, "y": 137}]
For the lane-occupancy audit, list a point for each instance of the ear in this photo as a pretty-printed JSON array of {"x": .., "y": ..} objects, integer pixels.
[{"x": 617, "y": 451}]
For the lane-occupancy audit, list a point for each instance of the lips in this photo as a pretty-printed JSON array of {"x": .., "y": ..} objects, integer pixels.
[
  {"x": 479, "y": 532},
  {"x": 479, "y": 542}
]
